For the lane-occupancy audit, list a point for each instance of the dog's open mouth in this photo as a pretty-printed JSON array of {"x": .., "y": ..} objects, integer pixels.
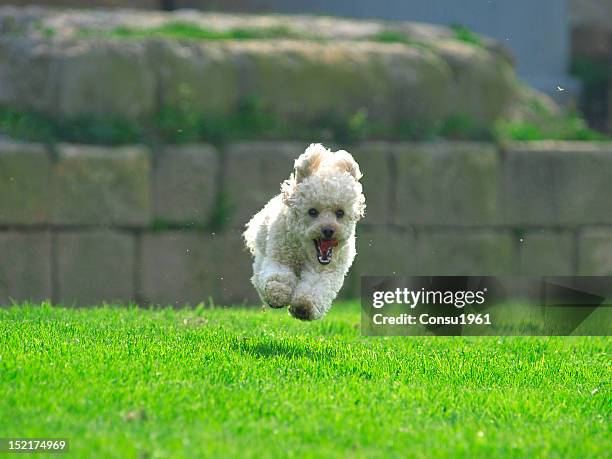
[{"x": 325, "y": 248}]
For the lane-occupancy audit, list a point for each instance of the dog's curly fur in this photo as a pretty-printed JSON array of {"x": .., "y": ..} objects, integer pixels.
[{"x": 290, "y": 236}]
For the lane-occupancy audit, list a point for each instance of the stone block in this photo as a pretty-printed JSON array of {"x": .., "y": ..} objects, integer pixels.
[
  {"x": 483, "y": 82},
  {"x": 547, "y": 253},
  {"x": 101, "y": 186},
  {"x": 178, "y": 267},
  {"x": 595, "y": 252},
  {"x": 182, "y": 267},
  {"x": 197, "y": 77},
  {"x": 25, "y": 184},
  {"x": 29, "y": 74},
  {"x": 446, "y": 183},
  {"x": 95, "y": 267},
  {"x": 110, "y": 78},
  {"x": 558, "y": 183},
  {"x": 253, "y": 174},
  {"x": 25, "y": 266},
  {"x": 305, "y": 81},
  {"x": 466, "y": 253},
  {"x": 384, "y": 251},
  {"x": 374, "y": 159},
  {"x": 591, "y": 40},
  {"x": 235, "y": 270},
  {"x": 185, "y": 183}
]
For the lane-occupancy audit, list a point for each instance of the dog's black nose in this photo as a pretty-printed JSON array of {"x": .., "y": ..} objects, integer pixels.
[{"x": 327, "y": 232}]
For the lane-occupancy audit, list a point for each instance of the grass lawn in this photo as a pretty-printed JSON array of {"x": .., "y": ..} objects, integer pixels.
[{"x": 250, "y": 383}]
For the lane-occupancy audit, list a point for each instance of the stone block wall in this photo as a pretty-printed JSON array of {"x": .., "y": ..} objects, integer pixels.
[
  {"x": 74, "y": 65},
  {"x": 83, "y": 225}
]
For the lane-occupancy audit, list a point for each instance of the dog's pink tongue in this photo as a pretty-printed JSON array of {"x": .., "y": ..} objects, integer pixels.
[{"x": 327, "y": 243}]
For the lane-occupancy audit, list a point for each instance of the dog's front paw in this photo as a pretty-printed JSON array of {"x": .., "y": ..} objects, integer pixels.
[
  {"x": 277, "y": 294},
  {"x": 304, "y": 308}
]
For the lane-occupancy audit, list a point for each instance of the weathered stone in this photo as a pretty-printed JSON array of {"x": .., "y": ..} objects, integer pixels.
[
  {"x": 590, "y": 12},
  {"x": 547, "y": 253},
  {"x": 97, "y": 185},
  {"x": 95, "y": 267},
  {"x": 483, "y": 82},
  {"x": 235, "y": 270},
  {"x": 466, "y": 253},
  {"x": 317, "y": 69},
  {"x": 106, "y": 78},
  {"x": 384, "y": 251},
  {"x": 446, "y": 184},
  {"x": 25, "y": 266},
  {"x": 558, "y": 183},
  {"x": 532, "y": 107},
  {"x": 595, "y": 252},
  {"x": 253, "y": 174},
  {"x": 381, "y": 251},
  {"x": 25, "y": 184},
  {"x": 610, "y": 105},
  {"x": 303, "y": 82},
  {"x": 185, "y": 183},
  {"x": 29, "y": 74},
  {"x": 188, "y": 268},
  {"x": 178, "y": 267},
  {"x": 195, "y": 77},
  {"x": 592, "y": 40},
  {"x": 374, "y": 159}
]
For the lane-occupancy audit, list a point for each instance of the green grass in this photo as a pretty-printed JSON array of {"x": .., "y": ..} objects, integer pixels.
[
  {"x": 127, "y": 382},
  {"x": 568, "y": 126},
  {"x": 466, "y": 35},
  {"x": 36, "y": 127},
  {"x": 190, "y": 31},
  {"x": 252, "y": 121}
]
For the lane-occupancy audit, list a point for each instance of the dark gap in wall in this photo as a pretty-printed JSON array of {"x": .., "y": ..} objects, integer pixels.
[
  {"x": 391, "y": 188},
  {"x": 501, "y": 182},
  {"x": 167, "y": 5},
  {"x": 576, "y": 252},
  {"x": 218, "y": 219},
  {"x": 417, "y": 245},
  {"x": 55, "y": 293},
  {"x": 518, "y": 244},
  {"x": 137, "y": 269}
]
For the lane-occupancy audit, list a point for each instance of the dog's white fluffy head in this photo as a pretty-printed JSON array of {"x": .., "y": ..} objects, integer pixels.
[{"x": 325, "y": 199}]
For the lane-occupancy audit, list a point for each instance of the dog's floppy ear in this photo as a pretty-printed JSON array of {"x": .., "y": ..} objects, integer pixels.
[
  {"x": 345, "y": 162},
  {"x": 309, "y": 161},
  {"x": 288, "y": 191}
]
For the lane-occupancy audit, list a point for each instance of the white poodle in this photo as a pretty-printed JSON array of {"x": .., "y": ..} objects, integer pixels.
[{"x": 303, "y": 240}]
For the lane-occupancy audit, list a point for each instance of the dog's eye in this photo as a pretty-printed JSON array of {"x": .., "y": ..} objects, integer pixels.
[
  {"x": 339, "y": 213},
  {"x": 313, "y": 212}
]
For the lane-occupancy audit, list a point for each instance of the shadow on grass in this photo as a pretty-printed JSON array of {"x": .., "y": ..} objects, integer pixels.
[{"x": 281, "y": 348}]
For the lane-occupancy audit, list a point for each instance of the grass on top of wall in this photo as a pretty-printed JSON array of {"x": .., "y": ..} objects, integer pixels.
[
  {"x": 568, "y": 127},
  {"x": 185, "y": 30},
  {"x": 191, "y": 31},
  {"x": 466, "y": 35},
  {"x": 128, "y": 382}
]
